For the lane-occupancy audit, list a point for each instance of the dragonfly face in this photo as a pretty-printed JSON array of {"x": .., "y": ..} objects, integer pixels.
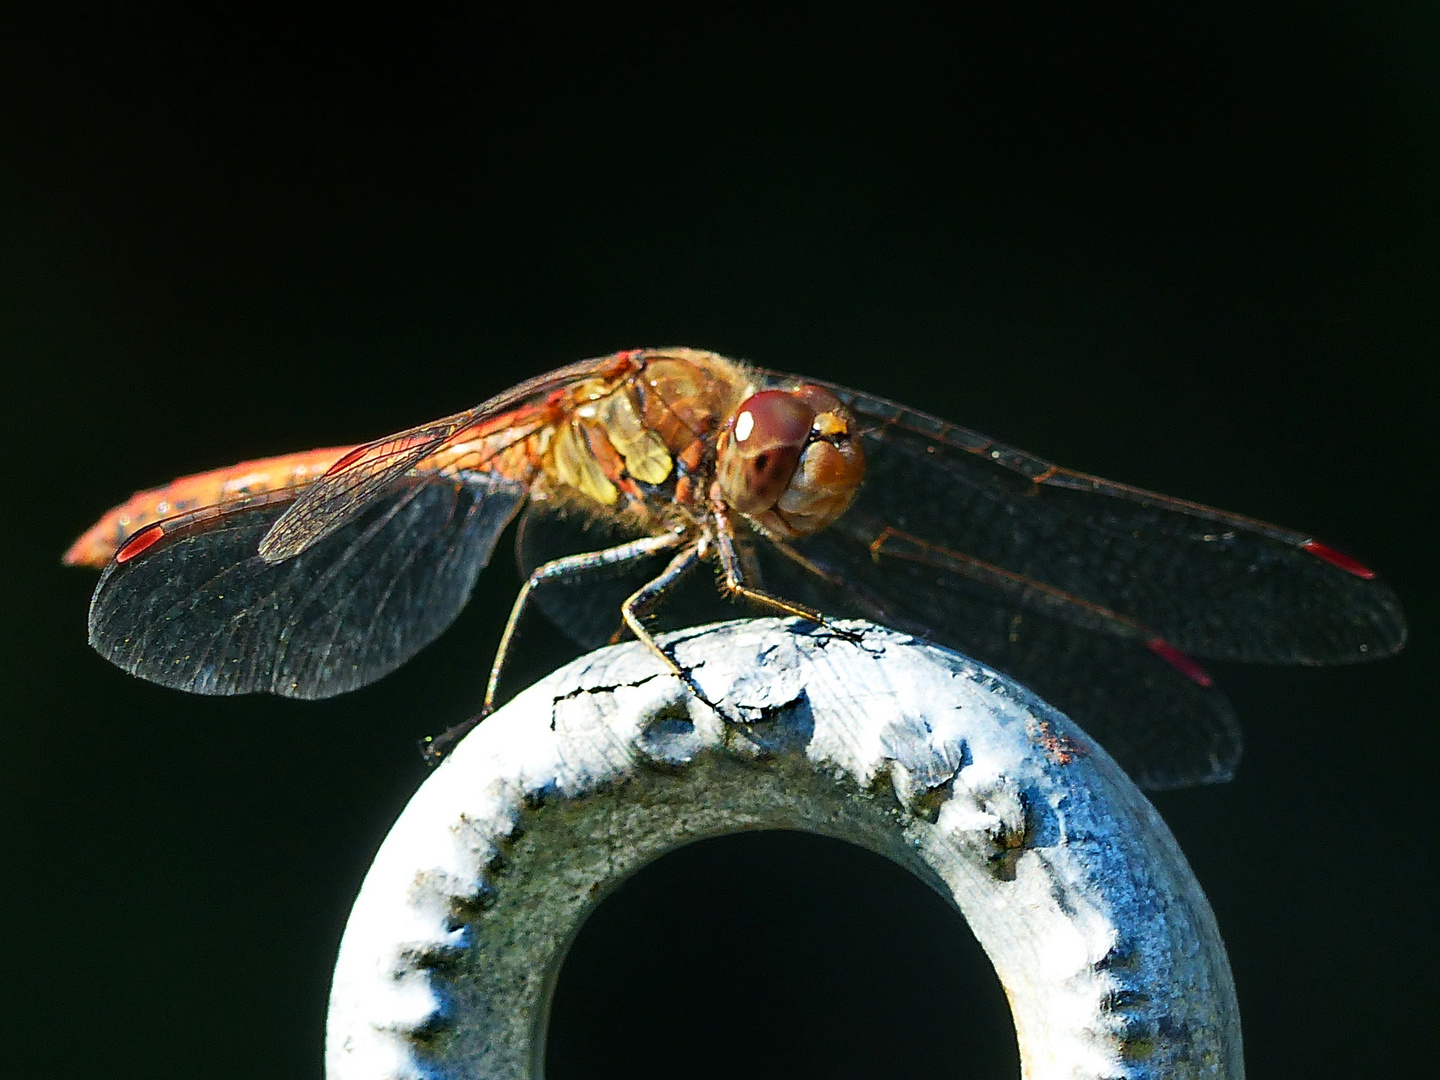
[
  {"x": 311, "y": 574},
  {"x": 790, "y": 460}
]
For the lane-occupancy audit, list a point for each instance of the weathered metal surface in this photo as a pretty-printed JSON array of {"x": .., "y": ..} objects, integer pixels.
[{"x": 1102, "y": 938}]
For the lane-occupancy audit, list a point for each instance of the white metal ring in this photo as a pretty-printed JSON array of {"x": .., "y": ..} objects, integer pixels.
[{"x": 1103, "y": 940}]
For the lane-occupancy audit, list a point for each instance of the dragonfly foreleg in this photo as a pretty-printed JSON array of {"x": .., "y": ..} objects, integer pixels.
[{"x": 733, "y": 583}]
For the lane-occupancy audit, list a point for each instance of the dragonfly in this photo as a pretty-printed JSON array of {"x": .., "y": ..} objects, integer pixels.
[{"x": 308, "y": 575}]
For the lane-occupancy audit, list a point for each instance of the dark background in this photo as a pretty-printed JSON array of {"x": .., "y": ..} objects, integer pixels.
[{"x": 1194, "y": 250}]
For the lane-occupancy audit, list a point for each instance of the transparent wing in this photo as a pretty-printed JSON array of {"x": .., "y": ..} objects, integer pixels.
[
  {"x": 190, "y": 604},
  {"x": 1156, "y": 714},
  {"x": 366, "y": 473},
  {"x": 1211, "y": 583},
  {"x": 351, "y": 484}
]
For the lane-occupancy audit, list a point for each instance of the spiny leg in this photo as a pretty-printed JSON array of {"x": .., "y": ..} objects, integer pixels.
[
  {"x": 645, "y": 599},
  {"x": 434, "y": 747},
  {"x": 568, "y": 566},
  {"x": 733, "y": 583}
]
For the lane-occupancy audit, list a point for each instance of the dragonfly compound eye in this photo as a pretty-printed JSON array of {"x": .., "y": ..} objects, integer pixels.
[
  {"x": 761, "y": 448},
  {"x": 790, "y": 460}
]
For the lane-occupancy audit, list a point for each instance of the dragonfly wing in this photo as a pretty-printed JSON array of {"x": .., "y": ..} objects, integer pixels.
[
  {"x": 1211, "y": 583},
  {"x": 366, "y": 473},
  {"x": 1165, "y": 728},
  {"x": 352, "y": 484},
  {"x": 199, "y": 609}
]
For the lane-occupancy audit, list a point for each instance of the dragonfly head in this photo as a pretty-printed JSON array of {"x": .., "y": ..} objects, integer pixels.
[{"x": 790, "y": 460}]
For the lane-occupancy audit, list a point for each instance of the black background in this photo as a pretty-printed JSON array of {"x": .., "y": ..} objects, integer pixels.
[{"x": 1193, "y": 249}]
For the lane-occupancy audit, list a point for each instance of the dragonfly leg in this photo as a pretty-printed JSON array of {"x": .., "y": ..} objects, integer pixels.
[
  {"x": 645, "y": 599},
  {"x": 434, "y": 747},
  {"x": 733, "y": 583},
  {"x": 569, "y": 566}
]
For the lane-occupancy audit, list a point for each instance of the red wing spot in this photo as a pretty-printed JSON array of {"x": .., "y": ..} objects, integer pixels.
[
  {"x": 347, "y": 460},
  {"x": 1179, "y": 661},
  {"x": 142, "y": 541},
  {"x": 1338, "y": 558}
]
